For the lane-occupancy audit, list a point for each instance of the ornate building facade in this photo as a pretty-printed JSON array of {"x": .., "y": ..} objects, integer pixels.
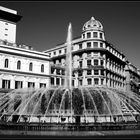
[
  {"x": 21, "y": 66},
  {"x": 95, "y": 61}
]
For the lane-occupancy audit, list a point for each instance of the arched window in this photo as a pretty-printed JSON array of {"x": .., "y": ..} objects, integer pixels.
[
  {"x": 6, "y": 63},
  {"x": 95, "y": 62},
  {"x": 18, "y": 65},
  {"x": 31, "y": 66},
  {"x": 42, "y": 68}
]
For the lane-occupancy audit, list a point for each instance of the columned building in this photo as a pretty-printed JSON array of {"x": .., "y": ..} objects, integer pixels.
[
  {"x": 22, "y": 68},
  {"x": 95, "y": 61},
  {"x": 20, "y": 65}
]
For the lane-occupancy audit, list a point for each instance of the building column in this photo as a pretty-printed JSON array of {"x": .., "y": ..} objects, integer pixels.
[
  {"x": 37, "y": 84},
  {"x": 54, "y": 81},
  {"x": 76, "y": 82},
  {"x": 92, "y": 81},
  {"x": 60, "y": 81},
  {"x": 48, "y": 82},
  {"x": 12, "y": 85},
  {"x": 25, "y": 83},
  {"x": 1, "y": 80},
  {"x": 99, "y": 81},
  {"x": 84, "y": 79}
]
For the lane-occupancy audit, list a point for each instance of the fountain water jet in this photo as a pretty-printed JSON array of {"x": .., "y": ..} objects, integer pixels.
[{"x": 68, "y": 79}]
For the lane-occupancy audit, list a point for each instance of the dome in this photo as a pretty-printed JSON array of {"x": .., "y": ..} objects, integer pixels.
[{"x": 92, "y": 24}]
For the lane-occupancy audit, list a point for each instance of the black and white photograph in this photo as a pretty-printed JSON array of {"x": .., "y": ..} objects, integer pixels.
[{"x": 69, "y": 69}]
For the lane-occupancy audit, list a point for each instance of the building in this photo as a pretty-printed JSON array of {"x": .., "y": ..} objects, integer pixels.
[
  {"x": 21, "y": 66},
  {"x": 95, "y": 61},
  {"x": 8, "y": 21},
  {"x": 132, "y": 78}
]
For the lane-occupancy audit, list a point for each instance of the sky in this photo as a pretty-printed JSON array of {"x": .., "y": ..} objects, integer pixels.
[{"x": 44, "y": 23}]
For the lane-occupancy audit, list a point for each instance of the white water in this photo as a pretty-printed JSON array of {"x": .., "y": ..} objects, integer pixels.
[{"x": 68, "y": 79}]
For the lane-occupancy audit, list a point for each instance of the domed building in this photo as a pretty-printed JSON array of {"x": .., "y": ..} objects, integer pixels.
[{"x": 95, "y": 61}]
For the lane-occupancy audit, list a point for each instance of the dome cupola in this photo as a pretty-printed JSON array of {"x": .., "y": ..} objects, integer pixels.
[{"x": 92, "y": 24}]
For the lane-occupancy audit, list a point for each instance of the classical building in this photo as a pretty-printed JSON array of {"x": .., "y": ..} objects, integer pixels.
[
  {"x": 21, "y": 66},
  {"x": 95, "y": 61}
]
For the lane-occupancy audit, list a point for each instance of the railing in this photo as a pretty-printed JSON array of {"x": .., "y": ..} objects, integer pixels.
[
  {"x": 71, "y": 127},
  {"x": 23, "y": 46}
]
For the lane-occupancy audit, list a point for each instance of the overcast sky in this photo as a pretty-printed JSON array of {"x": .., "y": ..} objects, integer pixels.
[{"x": 44, "y": 24}]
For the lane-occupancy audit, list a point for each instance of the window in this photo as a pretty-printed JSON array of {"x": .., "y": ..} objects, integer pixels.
[
  {"x": 89, "y": 81},
  {"x": 96, "y": 62},
  {"x": 73, "y": 74},
  {"x": 88, "y": 44},
  {"x": 83, "y": 35},
  {"x": 80, "y": 64},
  {"x": 6, "y": 63},
  {"x": 101, "y": 45},
  {"x": 88, "y": 54},
  {"x": 80, "y": 56},
  {"x": 101, "y": 35},
  {"x": 6, "y": 34},
  {"x": 96, "y": 81},
  {"x": 102, "y": 81},
  {"x": 88, "y": 35},
  {"x": 88, "y": 72},
  {"x": 88, "y": 63},
  {"x": 72, "y": 82},
  {"x": 58, "y": 71},
  {"x": 54, "y": 53},
  {"x": 65, "y": 50},
  {"x": 52, "y": 70},
  {"x": 42, "y": 85},
  {"x": 63, "y": 72},
  {"x": 59, "y": 51},
  {"x": 42, "y": 68},
  {"x": 6, "y": 84},
  {"x": 18, "y": 84},
  {"x": 62, "y": 81},
  {"x": 57, "y": 81},
  {"x": 102, "y": 62},
  {"x": 31, "y": 66},
  {"x": 80, "y": 46},
  {"x": 80, "y": 82},
  {"x": 96, "y": 72},
  {"x": 52, "y": 81},
  {"x": 95, "y": 34},
  {"x": 80, "y": 73},
  {"x": 102, "y": 72},
  {"x": 18, "y": 64},
  {"x": 6, "y": 29},
  {"x": 95, "y": 44},
  {"x": 31, "y": 84}
]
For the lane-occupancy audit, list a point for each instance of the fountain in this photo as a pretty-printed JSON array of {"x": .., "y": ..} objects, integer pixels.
[{"x": 81, "y": 106}]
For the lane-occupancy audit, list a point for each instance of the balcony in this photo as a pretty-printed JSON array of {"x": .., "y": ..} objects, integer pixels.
[
  {"x": 95, "y": 67},
  {"x": 57, "y": 66}
]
